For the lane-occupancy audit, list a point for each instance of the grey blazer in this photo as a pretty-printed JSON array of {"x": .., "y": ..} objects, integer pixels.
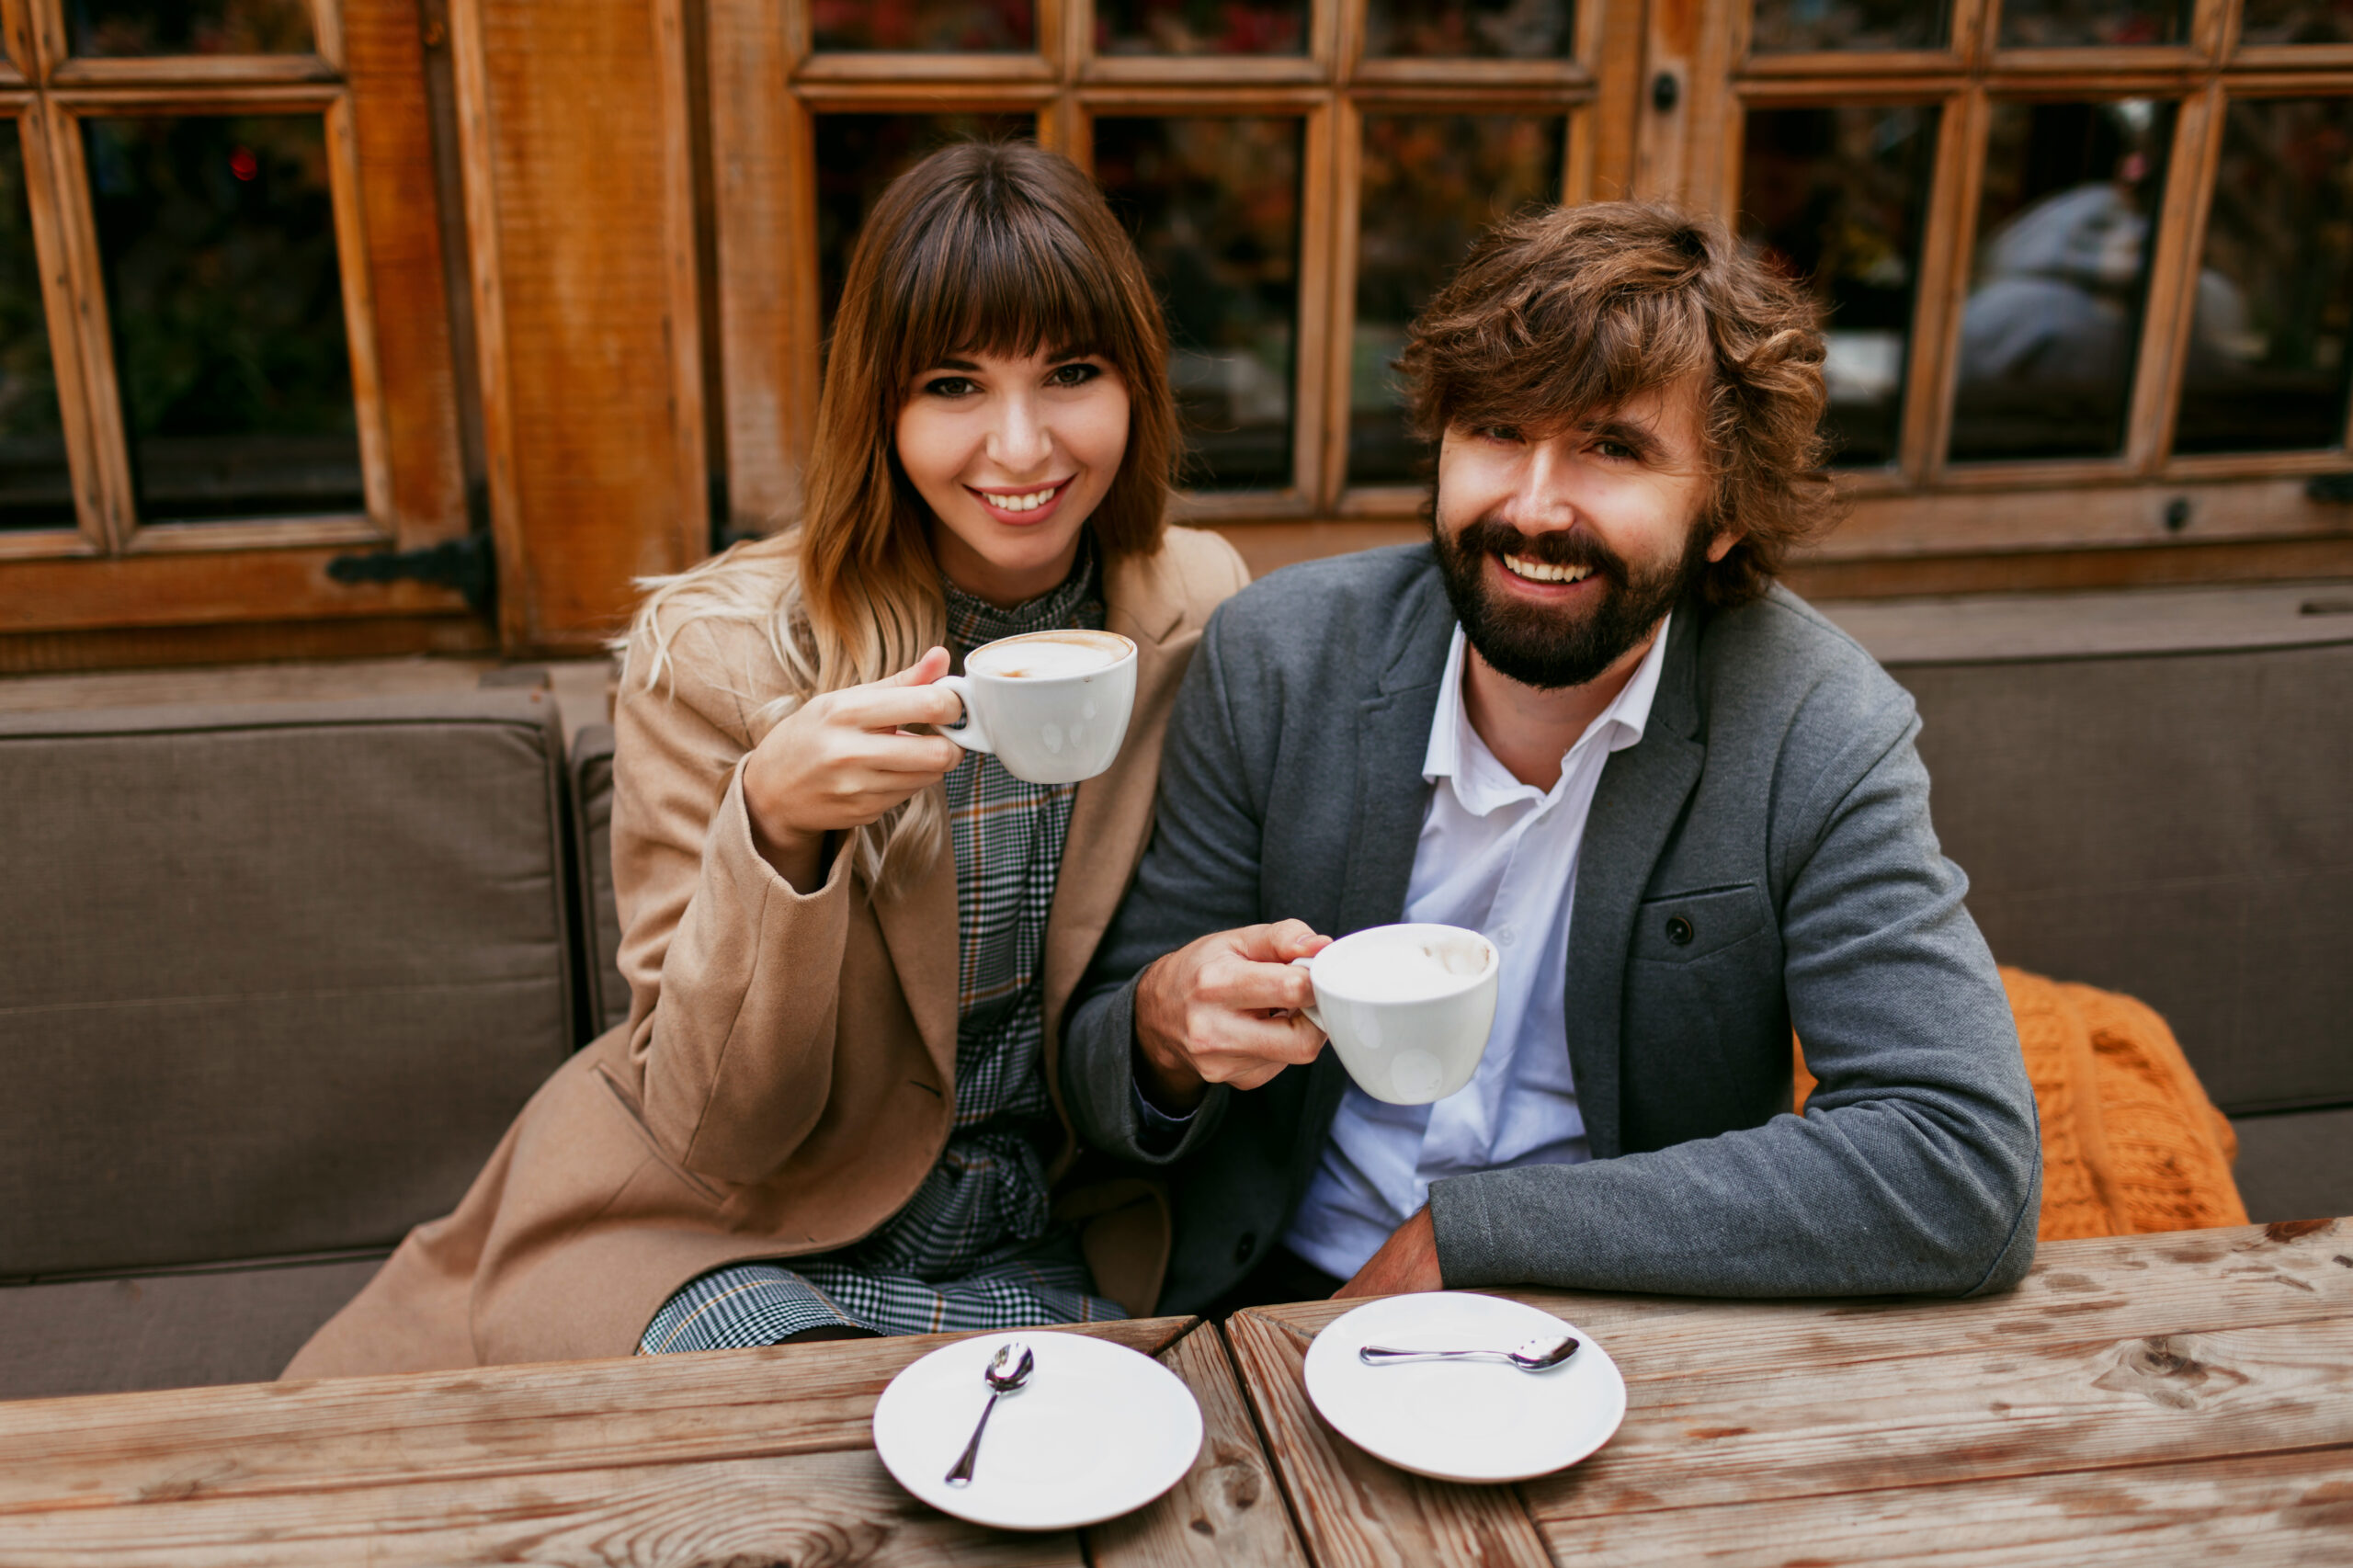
[{"x": 1774, "y": 806}]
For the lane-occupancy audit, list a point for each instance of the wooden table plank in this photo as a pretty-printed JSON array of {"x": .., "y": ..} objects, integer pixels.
[
  {"x": 1967, "y": 1416},
  {"x": 2275, "y": 1509},
  {"x": 1353, "y": 1508},
  {"x": 2116, "y": 1287},
  {"x": 831, "y": 1508},
  {"x": 344, "y": 1432},
  {"x": 1228, "y": 1511}
]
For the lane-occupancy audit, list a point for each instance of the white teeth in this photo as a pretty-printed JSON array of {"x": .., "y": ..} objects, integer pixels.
[
  {"x": 1028, "y": 502},
  {"x": 1541, "y": 572}
]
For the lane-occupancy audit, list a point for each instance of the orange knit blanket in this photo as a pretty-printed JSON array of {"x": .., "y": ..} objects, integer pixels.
[{"x": 2129, "y": 1141}]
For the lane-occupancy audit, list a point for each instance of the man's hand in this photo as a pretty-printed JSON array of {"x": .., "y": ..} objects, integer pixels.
[
  {"x": 1406, "y": 1262},
  {"x": 1226, "y": 1009}
]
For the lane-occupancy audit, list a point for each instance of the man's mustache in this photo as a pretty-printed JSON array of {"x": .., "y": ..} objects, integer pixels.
[{"x": 1564, "y": 547}]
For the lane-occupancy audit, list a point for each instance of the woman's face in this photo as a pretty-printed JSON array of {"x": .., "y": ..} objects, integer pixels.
[{"x": 1012, "y": 455}]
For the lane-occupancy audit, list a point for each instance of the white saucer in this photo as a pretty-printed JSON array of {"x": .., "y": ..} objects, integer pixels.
[
  {"x": 1097, "y": 1431},
  {"x": 1478, "y": 1421}
]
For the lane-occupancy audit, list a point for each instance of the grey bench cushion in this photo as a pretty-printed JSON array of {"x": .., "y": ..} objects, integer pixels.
[
  {"x": 591, "y": 816},
  {"x": 278, "y": 976},
  {"x": 2176, "y": 826}
]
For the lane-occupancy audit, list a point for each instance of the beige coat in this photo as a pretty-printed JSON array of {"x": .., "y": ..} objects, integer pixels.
[{"x": 787, "y": 1075}]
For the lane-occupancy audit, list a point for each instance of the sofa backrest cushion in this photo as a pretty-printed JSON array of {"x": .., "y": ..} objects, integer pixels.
[
  {"x": 2177, "y": 826},
  {"x": 592, "y": 816},
  {"x": 276, "y": 977}
]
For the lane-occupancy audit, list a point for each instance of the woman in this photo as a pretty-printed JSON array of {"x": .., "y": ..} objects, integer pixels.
[{"x": 832, "y": 1110}]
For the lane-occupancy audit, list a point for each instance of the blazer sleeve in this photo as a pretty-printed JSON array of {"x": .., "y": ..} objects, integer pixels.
[
  {"x": 733, "y": 973},
  {"x": 1916, "y": 1167}
]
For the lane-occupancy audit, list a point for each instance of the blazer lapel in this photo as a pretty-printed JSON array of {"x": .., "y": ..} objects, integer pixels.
[
  {"x": 919, "y": 928},
  {"x": 1641, "y": 796}
]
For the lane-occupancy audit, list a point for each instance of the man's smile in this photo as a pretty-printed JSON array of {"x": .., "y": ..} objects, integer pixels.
[{"x": 1534, "y": 571}]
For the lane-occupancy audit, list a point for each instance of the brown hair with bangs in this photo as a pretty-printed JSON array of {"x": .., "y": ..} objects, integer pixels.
[{"x": 1558, "y": 317}]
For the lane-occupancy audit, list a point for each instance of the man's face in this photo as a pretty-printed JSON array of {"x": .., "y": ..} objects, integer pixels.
[{"x": 1563, "y": 548}]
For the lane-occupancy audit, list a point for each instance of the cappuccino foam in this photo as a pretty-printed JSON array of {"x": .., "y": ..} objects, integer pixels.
[
  {"x": 1398, "y": 969},
  {"x": 1044, "y": 655}
]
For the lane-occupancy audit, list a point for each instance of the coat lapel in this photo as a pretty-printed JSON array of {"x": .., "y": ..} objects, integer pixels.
[
  {"x": 918, "y": 924},
  {"x": 1641, "y": 796}
]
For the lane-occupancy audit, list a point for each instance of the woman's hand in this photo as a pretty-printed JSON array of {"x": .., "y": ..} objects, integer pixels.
[{"x": 842, "y": 759}]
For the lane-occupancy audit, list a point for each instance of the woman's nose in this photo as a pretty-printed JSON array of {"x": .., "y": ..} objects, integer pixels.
[{"x": 1021, "y": 441}]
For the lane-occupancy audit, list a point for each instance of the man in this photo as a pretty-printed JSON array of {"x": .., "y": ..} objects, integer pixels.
[{"x": 1685, "y": 808}]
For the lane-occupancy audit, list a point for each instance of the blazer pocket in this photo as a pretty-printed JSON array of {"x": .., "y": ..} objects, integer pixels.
[{"x": 1687, "y": 926}]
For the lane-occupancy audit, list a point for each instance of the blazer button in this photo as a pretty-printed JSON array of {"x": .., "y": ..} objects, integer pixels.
[
  {"x": 1245, "y": 1246},
  {"x": 1679, "y": 930}
]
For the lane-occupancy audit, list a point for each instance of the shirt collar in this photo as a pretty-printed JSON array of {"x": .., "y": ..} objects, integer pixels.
[{"x": 1455, "y": 751}]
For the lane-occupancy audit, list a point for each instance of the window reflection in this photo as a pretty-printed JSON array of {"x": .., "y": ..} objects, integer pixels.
[
  {"x": 2054, "y": 23},
  {"x": 1790, "y": 26},
  {"x": 2266, "y": 368},
  {"x": 2053, "y": 319},
  {"x": 857, "y": 155},
  {"x": 36, "y": 490},
  {"x": 1837, "y": 196},
  {"x": 1431, "y": 183},
  {"x": 1500, "y": 29},
  {"x": 944, "y": 27},
  {"x": 2297, "y": 21},
  {"x": 216, "y": 238},
  {"x": 1201, "y": 27},
  {"x": 1214, "y": 206},
  {"x": 189, "y": 27}
]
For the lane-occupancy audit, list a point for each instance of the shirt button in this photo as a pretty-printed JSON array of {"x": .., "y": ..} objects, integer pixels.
[
  {"x": 1678, "y": 931},
  {"x": 1505, "y": 935}
]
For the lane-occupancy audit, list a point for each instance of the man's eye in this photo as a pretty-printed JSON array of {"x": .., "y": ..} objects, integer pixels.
[
  {"x": 1075, "y": 374},
  {"x": 1506, "y": 432},
  {"x": 1614, "y": 450},
  {"x": 949, "y": 386}
]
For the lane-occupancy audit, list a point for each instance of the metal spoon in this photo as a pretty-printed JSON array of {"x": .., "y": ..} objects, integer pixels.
[
  {"x": 1001, "y": 1382},
  {"x": 1536, "y": 1356}
]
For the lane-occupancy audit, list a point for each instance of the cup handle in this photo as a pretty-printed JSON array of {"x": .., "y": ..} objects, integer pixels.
[
  {"x": 967, "y": 731},
  {"x": 1313, "y": 1016}
]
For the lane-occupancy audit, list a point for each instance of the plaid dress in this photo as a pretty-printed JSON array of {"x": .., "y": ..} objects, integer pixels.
[{"x": 973, "y": 1248}]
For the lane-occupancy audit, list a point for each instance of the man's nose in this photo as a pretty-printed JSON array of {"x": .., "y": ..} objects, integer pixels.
[
  {"x": 1546, "y": 495},
  {"x": 1021, "y": 441}
]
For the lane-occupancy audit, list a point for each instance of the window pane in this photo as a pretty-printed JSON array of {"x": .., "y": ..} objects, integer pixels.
[
  {"x": 2062, "y": 273},
  {"x": 217, "y": 236},
  {"x": 2267, "y": 361},
  {"x": 963, "y": 26},
  {"x": 36, "y": 491},
  {"x": 1201, "y": 27},
  {"x": 2297, "y": 21},
  {"x": 189, "y": 27},
  {"x": 1505, "y": 29},
  {"x": 857, "y": 155},
  {"x": 2051, "y": 23},
  {"x": 1215, "y": 206},
  {"x": 1787, "y": 27},
  {"x": 1431, "y": 183},
  {"x": 1837, "y": 198}
]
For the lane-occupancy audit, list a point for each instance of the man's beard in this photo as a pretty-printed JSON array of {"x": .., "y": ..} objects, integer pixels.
[{"x": 1551, "y": 650}]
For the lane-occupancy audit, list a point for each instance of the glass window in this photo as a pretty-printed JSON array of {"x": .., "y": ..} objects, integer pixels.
[
  {"x": 1838, "y": 197},
  {"x": 36, "y": 491},
  {"x": 857, "y": 155},
  {"x": 1790, "y": 26},
  {"x": 1432, "y": 182},
  {"x": 1201, "y": 27},
  {"x": 189, "y": 27},
  {"x": 216, "y": 238},
  {"x": 1214, "y": 206},
  {"x": 2297, "y": 21},
  {"x": 2052, "y": 24},
  {"x": 2064, "y": 231},
  {"x": 1495, "y": 30},
  {"x": 2266, "y": 368},
  {"x": 942, "y": 27}
]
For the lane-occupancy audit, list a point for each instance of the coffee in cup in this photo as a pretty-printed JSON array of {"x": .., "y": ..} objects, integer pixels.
[
  {"x": 1408, "y": 1007},
  {"x": 1052, "y": 706}
]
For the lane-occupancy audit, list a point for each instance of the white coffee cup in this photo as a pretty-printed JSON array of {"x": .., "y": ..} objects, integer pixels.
[
  {"x": 1408, "y": 1007},
  {"x": 1052, "y": 706}
]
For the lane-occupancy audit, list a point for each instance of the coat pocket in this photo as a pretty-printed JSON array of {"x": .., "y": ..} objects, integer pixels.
[{"x": 1684, "y": 927}]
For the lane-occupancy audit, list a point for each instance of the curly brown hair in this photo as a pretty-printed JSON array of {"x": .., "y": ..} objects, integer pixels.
[{"x": 1558, "y": 316}]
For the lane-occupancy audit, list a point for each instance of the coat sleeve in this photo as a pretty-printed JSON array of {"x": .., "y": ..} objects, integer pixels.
[
  {"x": 733, "y": 973},
  {"x": 1916, "y": 1167}
]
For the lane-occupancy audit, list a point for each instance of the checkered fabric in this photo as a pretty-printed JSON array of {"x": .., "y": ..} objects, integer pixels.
[{"x": 973, "y": 1248}]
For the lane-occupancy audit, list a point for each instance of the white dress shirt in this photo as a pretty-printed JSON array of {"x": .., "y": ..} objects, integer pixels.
[{"x": 1500, "y": 858}]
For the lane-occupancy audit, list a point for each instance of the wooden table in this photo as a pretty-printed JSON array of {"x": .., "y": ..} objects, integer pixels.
[
  {"x": 735, "y": 1458},
  {"x": 2181, "y": 1398}
]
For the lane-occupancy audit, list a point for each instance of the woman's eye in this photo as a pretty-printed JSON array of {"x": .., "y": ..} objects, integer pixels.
[
  {"x": 950, "y": 386},
  {"x": 1076, "y": 374}
]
